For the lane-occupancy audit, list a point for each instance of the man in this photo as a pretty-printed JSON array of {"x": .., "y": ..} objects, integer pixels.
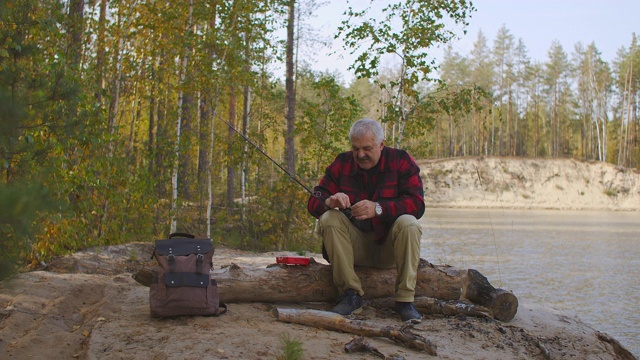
[{"x": 368, "y": 203}]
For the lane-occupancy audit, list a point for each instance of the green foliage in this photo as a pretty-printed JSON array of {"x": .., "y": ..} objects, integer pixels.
[
  {"x": 22, "y": 206},
  {"x": 291, "y": 348},
  {"x": 110, "y": 201},
  {"x": 275, "y": 215},
  {"x": 277, "y": 218},
  {"x": 326, "y": 115},
  {"x": 34, "y": 93},
  {"x": 422, "y": 26}
]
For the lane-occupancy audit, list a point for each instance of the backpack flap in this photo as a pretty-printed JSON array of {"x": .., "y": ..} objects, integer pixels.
[{"x": 183, "y": 246}]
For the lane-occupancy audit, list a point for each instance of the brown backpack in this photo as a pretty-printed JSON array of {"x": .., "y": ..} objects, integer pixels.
[{"x": 183, "y": 285}]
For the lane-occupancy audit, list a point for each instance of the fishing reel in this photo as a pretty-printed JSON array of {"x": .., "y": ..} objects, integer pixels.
[{"x": 346, "y": 212}]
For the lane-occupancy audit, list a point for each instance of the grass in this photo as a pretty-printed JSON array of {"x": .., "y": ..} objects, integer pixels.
[{"x": 291, "y": 348}]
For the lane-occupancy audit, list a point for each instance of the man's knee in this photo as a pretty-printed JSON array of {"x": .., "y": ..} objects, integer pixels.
[
  {"x": 409, "y": 225},
  {"x": 332, "y": 218},
  {"x": 333, "y": 226}
]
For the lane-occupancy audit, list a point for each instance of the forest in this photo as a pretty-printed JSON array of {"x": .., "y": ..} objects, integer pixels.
[{"x": 123, "y": 121}]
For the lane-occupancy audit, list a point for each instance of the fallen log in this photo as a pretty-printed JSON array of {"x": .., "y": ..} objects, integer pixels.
[
  {"x": 314, "y": 283},
  {"x": 331, "y": 321},
  {"x": 426, "y": 305}
]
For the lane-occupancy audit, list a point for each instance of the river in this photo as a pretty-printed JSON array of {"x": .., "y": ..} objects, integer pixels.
[{"x": 583, "y": 263}]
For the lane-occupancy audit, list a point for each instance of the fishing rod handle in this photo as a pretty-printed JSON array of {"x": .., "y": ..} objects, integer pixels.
[{"x": 318, "y": 194}]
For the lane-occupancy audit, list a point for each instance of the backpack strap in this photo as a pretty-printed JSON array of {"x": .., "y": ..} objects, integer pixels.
[
  {"x": 199, "y": 260},
  {"x": 172, "y": 262}
]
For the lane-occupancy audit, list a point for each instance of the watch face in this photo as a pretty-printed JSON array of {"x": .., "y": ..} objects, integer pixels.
[{"x": 378, "y": 209}]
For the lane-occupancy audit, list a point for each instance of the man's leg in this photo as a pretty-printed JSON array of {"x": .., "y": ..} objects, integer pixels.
[
  {"x": 338, "y": 235},
  {"x": 405, "y": 237},
  {"x": 405, "y": 234}
]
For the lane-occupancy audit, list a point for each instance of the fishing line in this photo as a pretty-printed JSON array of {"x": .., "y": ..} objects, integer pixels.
[
  {"x": 316, "y": 194},
  {"x": 495, "y": 243}
]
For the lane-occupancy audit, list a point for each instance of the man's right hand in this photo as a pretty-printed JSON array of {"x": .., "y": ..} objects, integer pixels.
[{"x": 338, "y": 200}]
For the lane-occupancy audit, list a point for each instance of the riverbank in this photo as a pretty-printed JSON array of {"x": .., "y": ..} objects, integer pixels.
[
  {"x": 521, "y": 183},
  {"x": 87, "y": 306}
]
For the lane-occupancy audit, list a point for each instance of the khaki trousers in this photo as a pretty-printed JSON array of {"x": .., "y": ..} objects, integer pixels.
[{"x": 347, "y": 247}]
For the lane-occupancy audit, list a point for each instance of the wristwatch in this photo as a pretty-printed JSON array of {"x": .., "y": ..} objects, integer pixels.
[{"x": 378, "y": 209}]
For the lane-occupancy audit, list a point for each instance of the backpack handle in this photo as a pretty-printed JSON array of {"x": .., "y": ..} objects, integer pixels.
[{"x": 182, "y": 235}]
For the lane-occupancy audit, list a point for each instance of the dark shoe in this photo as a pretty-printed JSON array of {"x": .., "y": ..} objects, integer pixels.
[
  {"x": 348, "y": 303},
  {"x": 408, "y": 312}
]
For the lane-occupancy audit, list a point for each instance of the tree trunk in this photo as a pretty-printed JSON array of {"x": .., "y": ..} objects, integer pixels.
[
  {"x": 246, "y": 112},
  {"x": 231, "y": 171},
  {"x": 75, "y": 28},
  {"x": 175, "y": 177},
  {"x": 314, "y": 283},
  {"x": 152, "y": 110},
  {"x": 290, "y": 93},
  {"x": 101, "y": 50}
]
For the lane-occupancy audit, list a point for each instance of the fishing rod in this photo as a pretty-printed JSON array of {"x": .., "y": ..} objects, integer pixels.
[{"x": 316, "y": 194}]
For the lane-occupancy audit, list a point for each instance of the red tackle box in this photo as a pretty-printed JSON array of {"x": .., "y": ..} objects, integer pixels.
[{"x": 293, "y": 260}]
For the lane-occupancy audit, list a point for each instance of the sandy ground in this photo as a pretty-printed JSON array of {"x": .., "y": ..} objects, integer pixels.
[{"x": 87, "y": 306}]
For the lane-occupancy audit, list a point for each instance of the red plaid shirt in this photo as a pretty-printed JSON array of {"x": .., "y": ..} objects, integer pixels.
[{"x": 394, "y": 183}]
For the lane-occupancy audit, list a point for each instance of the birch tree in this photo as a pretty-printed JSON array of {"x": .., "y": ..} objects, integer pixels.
[
  {"x": 594, "y": 83},
  {"x": 404, "y": 31},
  {"x": 627, "y": 68}
]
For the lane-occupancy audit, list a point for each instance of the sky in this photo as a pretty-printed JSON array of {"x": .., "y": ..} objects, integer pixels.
[{"x": 607, "y": 23}]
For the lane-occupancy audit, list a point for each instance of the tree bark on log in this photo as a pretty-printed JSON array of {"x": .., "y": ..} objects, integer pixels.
[
  {"x": 331, "y": 321},
  {"x": 314, "y": 283}
]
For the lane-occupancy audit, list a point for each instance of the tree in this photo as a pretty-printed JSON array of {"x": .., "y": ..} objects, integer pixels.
[
  {"x": 455, "y": 72},
  {"x": 482, "y": 74},
  {"x": 404, "y": 30},
  {"x": 557, "y": 75},
  {"x": 594, "y": 83},
  {"x": 180, "y": 120},
  {"x": 291, "y": 91},
  {"x": 534, "y": 110},
  {"x": 521, "y": 68},
  {"x": 367, "y": 95},
  {"x": 503, "y": 50},
  {"x": 627, "y": 69}
]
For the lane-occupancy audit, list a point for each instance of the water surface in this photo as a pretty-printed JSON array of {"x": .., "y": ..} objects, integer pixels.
[{"x": 584, "y": 263}]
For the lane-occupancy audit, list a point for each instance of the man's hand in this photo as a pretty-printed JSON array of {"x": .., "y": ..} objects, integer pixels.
[
  {"x": 338, "y": 200},
  {"x": 365, "y": 209}
]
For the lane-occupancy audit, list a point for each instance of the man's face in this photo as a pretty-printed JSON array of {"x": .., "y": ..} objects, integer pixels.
[{"x": 366, "y": 151}]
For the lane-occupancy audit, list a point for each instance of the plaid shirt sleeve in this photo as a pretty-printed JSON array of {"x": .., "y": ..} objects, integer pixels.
[{"x": 332, "y": 182}]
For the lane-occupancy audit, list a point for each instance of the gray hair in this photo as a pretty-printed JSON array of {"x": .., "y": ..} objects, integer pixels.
[{"x": 366, "y": 126}]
